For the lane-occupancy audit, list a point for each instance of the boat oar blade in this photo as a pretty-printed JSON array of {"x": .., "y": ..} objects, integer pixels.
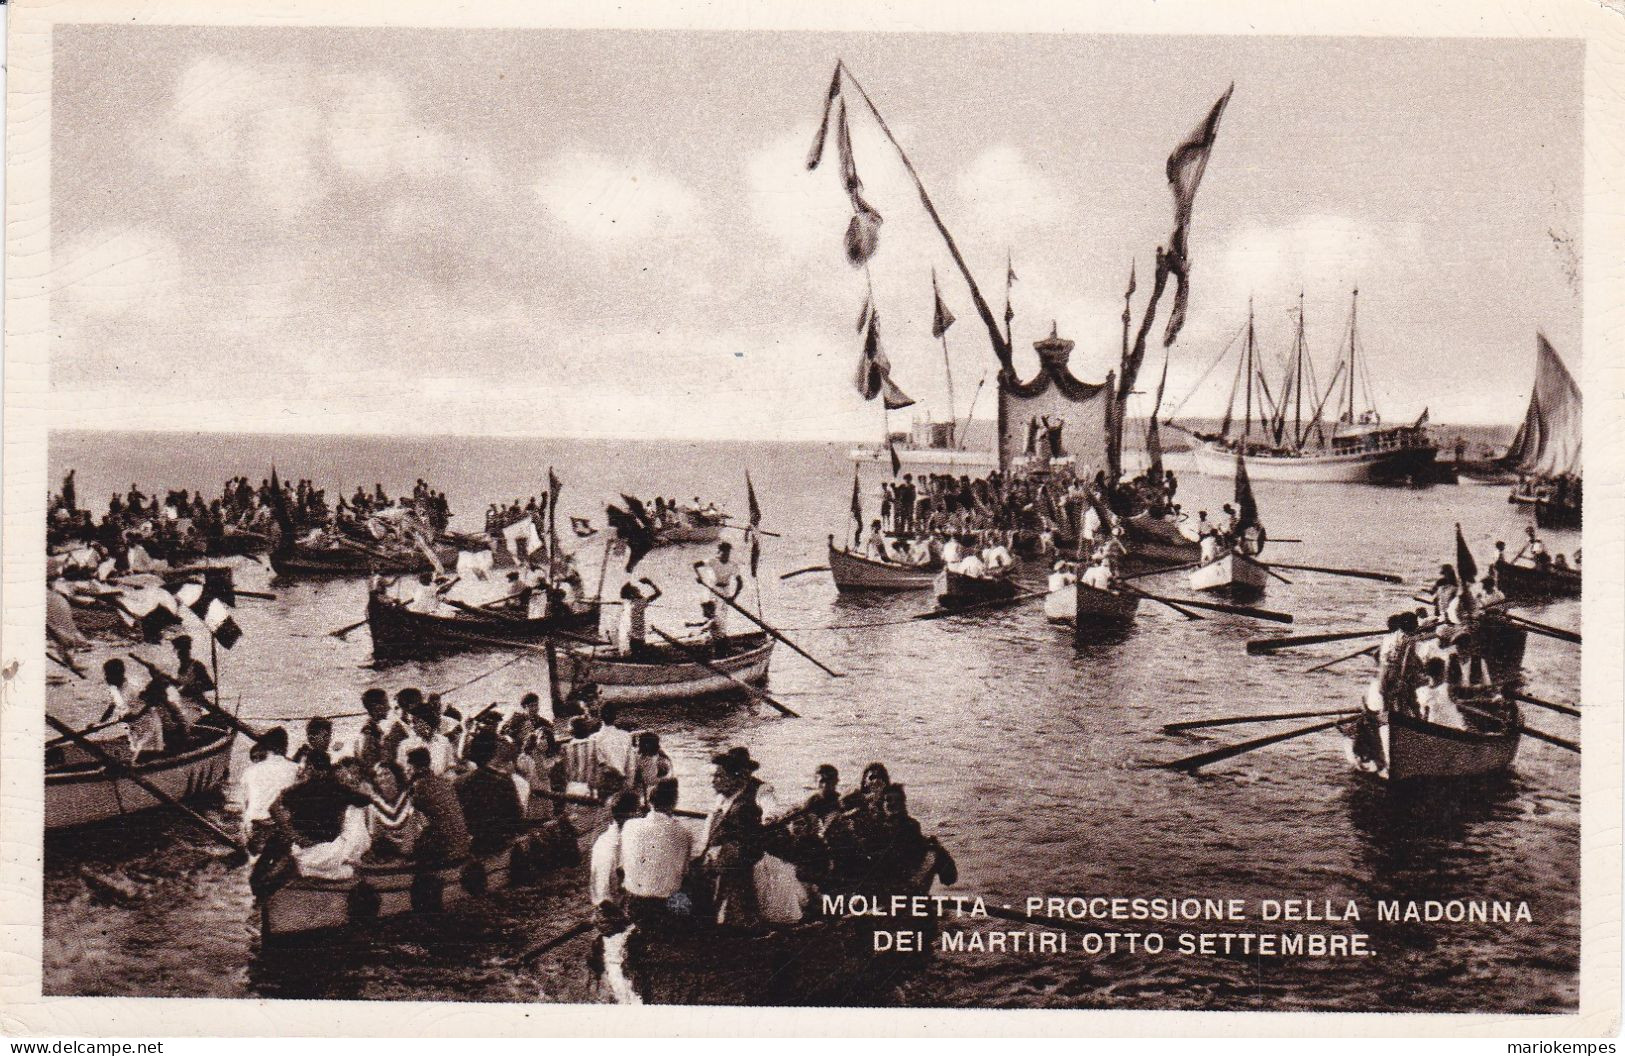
[
  {"x": 343, "y": 631},
  {"x": 1193, "y": 763},
  {"x": 1273, "y": 645},
  {"x": 1549, "y": 739},
  {"x": 1561, "y": 709},
  {"x": 1237, "y": 720},
  {"x": 1351, "y": 573}
]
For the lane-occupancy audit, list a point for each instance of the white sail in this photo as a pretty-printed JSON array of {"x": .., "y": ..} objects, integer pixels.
[{"x": 1548, "y": 441}]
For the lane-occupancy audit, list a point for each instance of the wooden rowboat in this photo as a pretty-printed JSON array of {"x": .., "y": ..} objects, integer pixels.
[
  {"x": 661, "y": 673},
  {"x": 1231, "y": 574},
  {"x": 1418, "y": 749},
  {"x": 80, "y": 791},
  {"x": 1104, "y": 608},
  {"x": 854, "y": 572},
  {"x": 400, "y": 633},
  {"x": 1528, "y": 583},
  {"x": 691, "y": 526},
  {"x": 956, "y": 591},
  {"x": 305, "y": 906},
  {"x": 1155, "y": 542},
  {"x": 309, "y": 562}
]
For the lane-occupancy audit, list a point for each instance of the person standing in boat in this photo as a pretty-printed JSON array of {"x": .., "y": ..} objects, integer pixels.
[
  {"x": 269, "y": 773},
  {"x": 904, "y": 497},
  {"x": 708, "y": 630},
  {"x": 1445, "y": 589},
  {"x": 722, "y": 575},
  {"x": 632, "y": 629},
  {"x": 1433, "y": 700},
  {"x": 732, "y": 844}
]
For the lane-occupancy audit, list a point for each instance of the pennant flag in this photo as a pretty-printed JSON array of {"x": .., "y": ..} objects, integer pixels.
[
  {"x": 816, "y": 155},
  {"x": 941, "y": 318},
  {"x": 857, "y": 509},
  {"x": 582, "y": 527},
  {"x": 1185, "y": 168},
  {"x": 217, "y": 615},
  {"x": 1466, "y": 567},
  {"x": 1246, "y": 506},
  {"x": 755, "y": 517},
  {"x": 1421, "y": 419},
  {"x": 209, "y": 603},
  {"x": 1153, "y": 434},
  {"x": 554, "y": 486},
  {"x": 894, "y": 398},
  {"x": 632, "y": 532},
  {"x": 896, "y": 463},
  {"x": 872, "y": 362},
  {"x": 863, "y": 233},
  {"x": 155, "y": 623}
]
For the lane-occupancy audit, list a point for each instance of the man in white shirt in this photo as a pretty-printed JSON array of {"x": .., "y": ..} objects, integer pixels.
[
  {"x": 263, "y": 781},
  {"x": 952, "y": 552},
  {"x": 1433, "y": 701},
  {"x": 655, "y": 852},
  {"x": 722, "y": 575},
  {"x": 613, "y": 746},
  {"x": 143, "y": 726},
  {"x": 972, "y": 566},
  {"x": 605, "y": 873},
  {"x": 442, "y": 753}
]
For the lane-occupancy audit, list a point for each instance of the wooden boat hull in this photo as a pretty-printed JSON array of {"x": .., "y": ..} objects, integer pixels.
[
  {"x": 690, "y": 529},
  {"x": 1357, "y": 467},
  {"x": 1231, "y": 574},
  {"x": 306, "y": 906},
  {"x": 307, "y": 562},
  {"x": 398, "y": 633},
  {"x": 1526, "y": 583},
  {"x": 1421, "y": 750},
  {"x": 956, "y": 591},
  {"x": 87, "y": 794},
  {"x": 854, "y": 573},
  {"x": 668, "y": 676},
  {"x": 1155, "y": 543},
  {"x": 1557, "y": 515},
  {"x": 1103, "y": 608}
]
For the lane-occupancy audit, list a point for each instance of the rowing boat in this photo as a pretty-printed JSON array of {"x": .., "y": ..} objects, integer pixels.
[
  {"x": 303, "y": 561},
  {"x": 854, "y": 572},
  {"x": 1417, "y": 749},
  {"x": 80, "y": 791},
  {"x": 956, "y": 591},
  {"x": 399, "y": 633},
  {"x": 663, "y": 673},
  {"x": 691, "y": 526},
  {"x": 1103, "y": 608},
  {"x": 1528, "y": 583},
  {"x": 305, "y": 906},
  {"x": 1156, "y": 542},
  {"x": 1232, "y": 574}
]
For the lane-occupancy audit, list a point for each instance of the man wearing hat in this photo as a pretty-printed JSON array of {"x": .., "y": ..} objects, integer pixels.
[{"x": 732, "y": 843}]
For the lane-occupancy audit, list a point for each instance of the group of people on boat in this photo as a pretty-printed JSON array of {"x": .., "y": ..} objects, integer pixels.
[
  {"x": 750, "y": 863},
  {"x": 160, "y": 717},
  {"x": 1227, "y": 534},
  {"x": 1539, "y": 557}
]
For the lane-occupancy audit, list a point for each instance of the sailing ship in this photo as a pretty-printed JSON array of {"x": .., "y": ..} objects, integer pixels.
[
  {"x": 1546, "y": 450},
  {"x": 1283, "y": 442}
]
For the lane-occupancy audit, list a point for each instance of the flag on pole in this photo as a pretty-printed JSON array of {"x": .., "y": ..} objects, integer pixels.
[
  {"x": 1466, "y": 567},
  {"x": 874, "y": 370},
  {"x": 1421, "y": 419},
  {"x": 215, "y": 610},
  {"x": 1246, "y": 505},
  {"x": 896, "y": 463},
  {"x": 863, "y": 232},
  {"x": 755, "y": 518},
  {"x": 1185, "y": 168},
  {"x": 582, "y": 527},
  {"x": 632, "y": 532},
  {"x": 857, "y": 510},
  {"x": 941, "y": 317},
  {"x": 816, "y": 155},
  {"x": 1009, "y": 281},
  {"x": 863, "y": 313}
]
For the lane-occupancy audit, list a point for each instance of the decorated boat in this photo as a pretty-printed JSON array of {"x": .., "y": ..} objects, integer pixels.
[
  {"x": 955, "y": 590},
  {"x": 1521, "y": 582},
  {"x": 664, "y": 673},
  {"x": 306, "y": 906},
  {"x": 1284, "y": 443},
  {"x": 399, "y": 633},
  {"x": 855, "y": 572},
  {"x": 79, "y": 790}
]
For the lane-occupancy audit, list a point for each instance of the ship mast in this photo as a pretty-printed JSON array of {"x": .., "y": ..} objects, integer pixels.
[
  {"x": 1247, "y": 418},
  {"x": 1297, "y": 414},
  {"x": 1354, "y": 316}
]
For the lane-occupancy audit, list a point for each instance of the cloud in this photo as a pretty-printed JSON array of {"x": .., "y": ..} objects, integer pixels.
[
  {"x": 1003, "y": 195},
  {"x": 612, "y": 204},
  {"x": 110, "y": 273}
]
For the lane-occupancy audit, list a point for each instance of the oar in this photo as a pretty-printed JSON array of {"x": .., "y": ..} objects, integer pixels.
[
  {"x": 694, "y": 655},
  {"x": 1352, "y": 573},
  {"x": 1199, "y": 724},
  {"x": 941, "y": 614},
  {"x": 1274, "y": 645},
  {"x": 763, "y": 624},
  {"x": 730, "y": 523},
  {"x": 63, "y": 662},
  {"x": 1159, "y": 571},
  {"x": 804, "y": 571},
  {"x": 1561, "y": 709},
  {"x": 1236, "y": 610},
  {"x": 1367, "y": 651},
  {"x": 118, "y": 768},
  {"x": 1562, "y": 635},
  {"x": 342, "y": 631},
  {"x": 260, "y": 594},
  {"x": 1549, "y": 739},
  {"x": 1196, "y": 762}
]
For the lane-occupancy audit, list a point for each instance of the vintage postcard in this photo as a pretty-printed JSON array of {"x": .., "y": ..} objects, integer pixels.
[{"x": 1046, "y": 520}]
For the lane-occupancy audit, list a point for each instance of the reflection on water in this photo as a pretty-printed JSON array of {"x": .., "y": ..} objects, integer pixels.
[{"x": 1025, "y": 752}]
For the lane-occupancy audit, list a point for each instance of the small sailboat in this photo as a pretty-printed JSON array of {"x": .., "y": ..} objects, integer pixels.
[
  {"x": 1546, "y": 450},
  {"x": 1236, "y": 572}
]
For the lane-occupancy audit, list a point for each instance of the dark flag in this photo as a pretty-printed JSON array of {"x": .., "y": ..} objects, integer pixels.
[
  {"x": 630, "y": 531},
  {"x": 874, "y": 371},
  {"x": 155, "y": 623},
  {"x": 637, "y": 509},
  {"x": 1421, "y": 419},
  {"x": 69, "y": 499},
  {"x": 941, "y": 317},
  {"x": 1185, "y": 168},
  {"x": 582, "y": 527},
  {"x": 896, "y": 463},
  {"x": 857, "y": 510},
  {"x": 1466, "y": 567},
  {"x": 1009, "y": 281},
  {"x": 279, "y": 510},
  {"x": 894, "y": 398},
  {"x": 1153, "y": 434},
  {"x": 755, "y": 518},
  {"x": 863, "y": 233},
  {"x": 1246, "y": 506},
  {"x": 816, "y": 155}
]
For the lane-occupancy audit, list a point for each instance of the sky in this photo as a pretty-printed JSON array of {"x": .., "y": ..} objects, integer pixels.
[{"x": 612, "y": 233}]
